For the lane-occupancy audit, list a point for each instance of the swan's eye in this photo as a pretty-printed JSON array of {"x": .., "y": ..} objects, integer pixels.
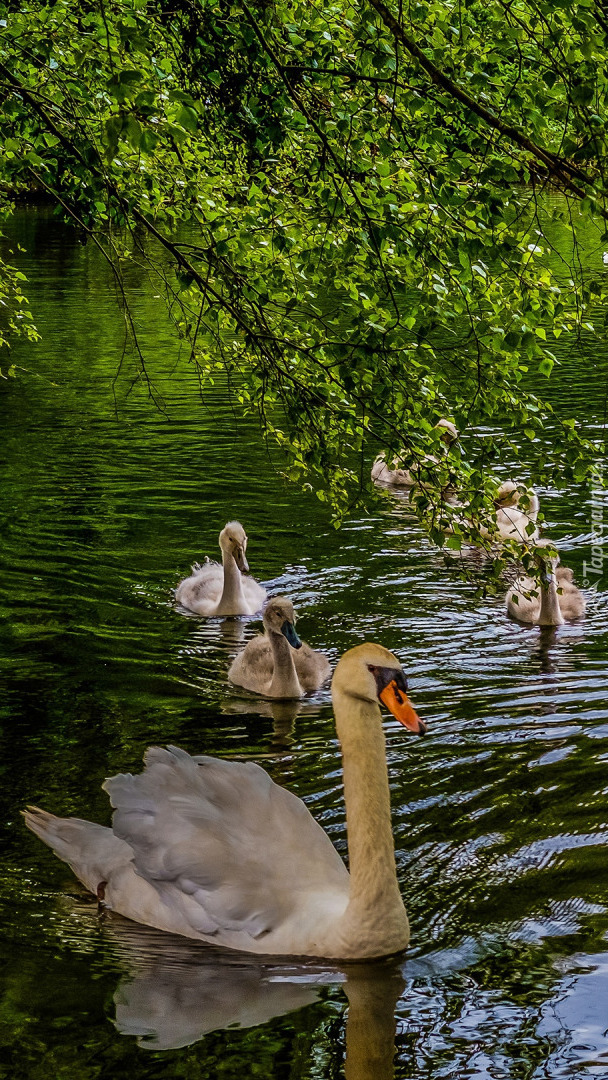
[{"x": 387, "y": 675}]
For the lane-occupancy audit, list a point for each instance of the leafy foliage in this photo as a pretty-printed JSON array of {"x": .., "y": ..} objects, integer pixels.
[
  {"x": 342, "y": 203},
  {"x": 15, "y": 316}
]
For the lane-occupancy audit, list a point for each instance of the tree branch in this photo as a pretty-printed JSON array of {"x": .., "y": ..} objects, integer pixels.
[{"x": 559, "y": 167}]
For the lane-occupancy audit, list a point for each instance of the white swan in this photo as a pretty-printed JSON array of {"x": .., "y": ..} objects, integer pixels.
[
  {"x": 385, "y": 472},
  {"x": 277, "y": 664},
  {"x": 215, "y": 850},
  {"x": 513, "y": 523},
  {"x": 554, "y": 601},
  {"x": 219, "y": 588}
]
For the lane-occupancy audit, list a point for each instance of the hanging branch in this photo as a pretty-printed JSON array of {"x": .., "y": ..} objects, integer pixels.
[{"x": 560, "y": 168}]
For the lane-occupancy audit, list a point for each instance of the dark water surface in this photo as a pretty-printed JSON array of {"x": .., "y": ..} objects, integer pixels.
[{"x": 500, "y": 816}]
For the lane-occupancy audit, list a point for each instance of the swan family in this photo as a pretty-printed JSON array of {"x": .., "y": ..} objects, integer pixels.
[
  {"x": 215, "y": 850},
  {"x": 515, "y": 519}
]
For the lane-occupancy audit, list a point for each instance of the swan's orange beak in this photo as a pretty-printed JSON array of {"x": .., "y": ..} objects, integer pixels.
[{"x": 397, "y": 703}]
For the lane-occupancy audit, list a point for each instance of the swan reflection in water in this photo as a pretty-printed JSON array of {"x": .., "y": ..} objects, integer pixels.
[
  {"x": 176, "y": 991},
  {"x": 283, "y": 715}
]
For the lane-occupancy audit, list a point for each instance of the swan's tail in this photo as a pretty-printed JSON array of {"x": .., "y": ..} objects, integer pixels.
[
  {"x": 61, "y": 834},
  {"x": 93, "y": 851}
]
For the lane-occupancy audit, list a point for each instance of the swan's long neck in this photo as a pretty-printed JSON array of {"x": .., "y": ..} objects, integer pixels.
[
  {"x": 375, "y": 916},
  {"x": 285, "y": 682},
  {"x": 232, "y": 594},
  {"x": 550, "y": 611}
]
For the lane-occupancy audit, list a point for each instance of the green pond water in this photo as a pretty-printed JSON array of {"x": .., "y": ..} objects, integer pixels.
[{"x": 500, "y": 813}]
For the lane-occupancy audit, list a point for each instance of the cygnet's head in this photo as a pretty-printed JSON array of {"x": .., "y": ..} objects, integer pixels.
[
  {"x": 372, "y": 673},
  {"x": 511, "y": 494},
  {"x": 279, "y": 618},
  {"x": 547, "y": 560},
  {"x": 565, "y": 573},
  {"x": 449, "y": 431},
  {"x": 507, "y": 495},
  {"x": 233, "y": 541}
]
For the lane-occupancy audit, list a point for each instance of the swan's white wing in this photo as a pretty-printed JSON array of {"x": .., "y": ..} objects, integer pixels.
[
  {"x": 203, "y": 587},
  {"x": 253, "y": 668},
  {"x": 245, "y": 852},
  {"x": 202, "y": 591},
  {"x": 313, "y": 667},
  {"x": 254, "y": 593},
  {"x": 523, "y": 600},
  {"x": 512, "y": 524}
]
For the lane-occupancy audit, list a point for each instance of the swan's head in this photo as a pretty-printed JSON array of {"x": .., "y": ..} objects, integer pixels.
[
  {"x": 279, "y": 618},
  {"x": 449, "y": 431},
  {"x": 233, "y": 541},
  {"x": 371, "y": 673}
]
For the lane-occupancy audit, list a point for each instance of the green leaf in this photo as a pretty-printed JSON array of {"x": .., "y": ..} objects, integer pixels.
[{"x": 188, "y": 118}]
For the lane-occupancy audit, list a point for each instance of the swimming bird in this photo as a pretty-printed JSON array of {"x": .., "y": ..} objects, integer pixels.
[
  {"x": 552, "y": 601},
  {"x": 220, "y": 588},
  {"x": 512, "y": 522},
  {"x": 524, "y": 499},
  {"x": 277, "y": 664},
  {"x": 393, "y": 473},
  {"x": 215, "y": 850}
]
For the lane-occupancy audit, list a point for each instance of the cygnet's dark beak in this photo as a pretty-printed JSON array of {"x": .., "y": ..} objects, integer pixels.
[
  {"x": 288, "y": 631},
  {"x": 240, "y": 560}
]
